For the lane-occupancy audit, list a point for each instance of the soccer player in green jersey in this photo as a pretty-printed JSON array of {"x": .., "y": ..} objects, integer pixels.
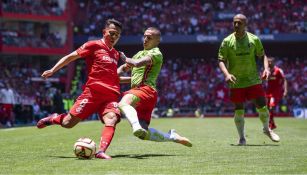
[
  {"x": 237, "y": 60},
  {"x": 138, "y": 103}
]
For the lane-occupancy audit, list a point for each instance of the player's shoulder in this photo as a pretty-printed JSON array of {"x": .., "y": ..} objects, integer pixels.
[
  {"x": 252, "y": 36},
  {"x": 229, "y": 37},
  {"x": 92, "y": 43}
]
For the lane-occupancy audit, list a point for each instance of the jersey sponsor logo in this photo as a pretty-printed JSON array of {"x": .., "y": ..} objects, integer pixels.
[
  {"x": 109, "y": 59},
  {"x": 81, "y": 105}
]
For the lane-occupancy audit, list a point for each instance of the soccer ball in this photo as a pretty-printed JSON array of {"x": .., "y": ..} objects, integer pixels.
[{"x": 85, "y": 148}]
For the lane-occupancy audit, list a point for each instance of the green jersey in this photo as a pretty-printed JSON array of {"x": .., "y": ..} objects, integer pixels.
[
  {"x": 239, "y": 56},
  {"x": 147, "y": 74}
]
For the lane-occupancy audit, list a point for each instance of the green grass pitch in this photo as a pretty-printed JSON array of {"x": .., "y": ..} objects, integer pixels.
[{"x": 28, "y": 150}]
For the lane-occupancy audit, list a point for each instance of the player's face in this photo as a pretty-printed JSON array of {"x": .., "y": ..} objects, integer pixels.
[
  {"x": 239, "y": 25},
  {"x": 111, "y": 35},
  {"x": 271, "y": 63},
  {"x": 151, "y": 39}
]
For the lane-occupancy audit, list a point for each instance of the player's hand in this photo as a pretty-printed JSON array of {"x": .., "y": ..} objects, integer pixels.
[
  {"x": 122, "y": 56},
  {"x": 265, "y": 74},
  {"x": 47, "y": 73},
  {"x": 231, "y": 78}
]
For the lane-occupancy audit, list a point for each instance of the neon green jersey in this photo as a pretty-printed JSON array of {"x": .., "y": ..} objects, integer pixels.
[
  {"x": 240, "y": 56},
  {"x": 147, "y": 74}
]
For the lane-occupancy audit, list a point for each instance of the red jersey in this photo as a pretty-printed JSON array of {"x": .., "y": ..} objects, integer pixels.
[
  {"x": 101, "y": 63},
  {"x": 276, "y": 83}
]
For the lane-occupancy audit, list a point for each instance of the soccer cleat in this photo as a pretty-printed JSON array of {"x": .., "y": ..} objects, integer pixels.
[
  {"x": 102, "y": 155},
  {"x": 274, "y": 137},
  {"x": 179, "y": 139},
  {"x": 242, "y": 142},
  {"x": 140, "y": 133},
  {"x": 47, "y": 121}
]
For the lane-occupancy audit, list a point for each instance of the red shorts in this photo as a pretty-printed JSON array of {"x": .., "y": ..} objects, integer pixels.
[
  {"x": 148, "y": 99},
  {"x": 273, "y": 100},
  {"x": 90, "y": 101},
  {"x": 240, "y": 95}
]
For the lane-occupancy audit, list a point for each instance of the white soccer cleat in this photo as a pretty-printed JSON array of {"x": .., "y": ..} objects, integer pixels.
[
  {"x": 140, "y": 133},
  {"x": 179, "y": 139},
  {"x": 274, "y": 137}
]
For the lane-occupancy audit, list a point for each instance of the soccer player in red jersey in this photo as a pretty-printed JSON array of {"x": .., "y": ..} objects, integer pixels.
[
  {"x": 277, "y": 88},
  {"x": 101, "y": 91},
  {"x": 138, "y": 103}
]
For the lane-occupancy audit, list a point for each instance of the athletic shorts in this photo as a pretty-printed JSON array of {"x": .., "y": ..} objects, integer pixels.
[
  {"x": 90, "y": 102},
  {"x": 148, "y": 99},
  {"x": 240, "y": 95},
  {"x": 273, "y": 101}
]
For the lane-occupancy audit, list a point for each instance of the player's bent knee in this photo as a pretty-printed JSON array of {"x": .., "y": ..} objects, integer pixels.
[{"x": 110, "y": 119}]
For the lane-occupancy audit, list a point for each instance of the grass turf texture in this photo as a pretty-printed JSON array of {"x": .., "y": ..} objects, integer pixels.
[{"x": 28, "y": 150}]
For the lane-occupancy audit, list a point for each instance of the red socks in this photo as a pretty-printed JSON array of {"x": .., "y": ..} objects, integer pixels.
[
  {"x": 58, "y": 119},
  {"x": 107, "y": 134}
]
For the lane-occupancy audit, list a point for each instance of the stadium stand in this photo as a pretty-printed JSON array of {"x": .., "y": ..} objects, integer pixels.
[{"x": 193, "y": 17}]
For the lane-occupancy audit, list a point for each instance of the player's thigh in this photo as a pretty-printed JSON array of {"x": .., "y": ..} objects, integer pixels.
[
  {"x": 238, "y": 95},
  {"x": 85, "y": 105},
  {"x": 259, "y": 102},
  {"x": 129, "y": 99}
]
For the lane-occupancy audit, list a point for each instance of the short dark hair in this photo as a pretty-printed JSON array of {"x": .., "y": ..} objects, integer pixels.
[
  {"x": 156, "y": 30},
  {"x": 115, "y": 22}
]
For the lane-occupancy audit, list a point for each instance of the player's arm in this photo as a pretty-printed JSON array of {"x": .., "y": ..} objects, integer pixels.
[
  {"x": 266, "y": 72},
  {"x": 285, "y": 83},
  {"x": 228, "y": 77},
  {"x": 61, "y": 63},
  {"x": 146, "y": 60},
  {"x": 123, "y": 68},
  {"x": 285, "y": 87},
  {"x": 124, "y": 80}
]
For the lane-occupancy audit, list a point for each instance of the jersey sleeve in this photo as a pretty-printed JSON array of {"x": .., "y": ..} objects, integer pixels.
[
  {"x": 86, "y": 49},
  {"x": 222, "y": 54},
  {"x": 259, "y": 48}
]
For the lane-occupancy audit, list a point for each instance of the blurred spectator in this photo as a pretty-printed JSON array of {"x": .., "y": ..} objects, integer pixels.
[
  {"x": 37, "y": 7},
  {"x": 7, "y": 99}
]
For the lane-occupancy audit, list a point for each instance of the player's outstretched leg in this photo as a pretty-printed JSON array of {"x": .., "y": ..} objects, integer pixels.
[
  {"x": 264, "y": 117},
  {"x": 172, "y": 136},
  {"x": 53, "y": 119}
]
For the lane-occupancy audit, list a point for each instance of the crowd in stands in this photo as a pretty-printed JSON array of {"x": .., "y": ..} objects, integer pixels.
[
  {"x": 29, "y": 34},
  {"x": 188, "y": 17},
  {"x": 199, "y": 83},
  {"x": 31, "y": 98},
  {"x": 184, "y": 84},
  {"x": 37, "y": 7}
]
